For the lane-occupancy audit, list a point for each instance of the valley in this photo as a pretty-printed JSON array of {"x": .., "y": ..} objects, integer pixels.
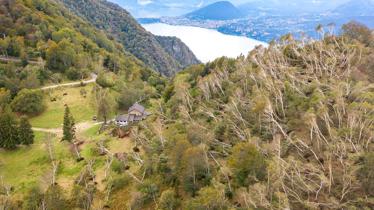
[
  {"x": 206, "y": 44},
  {"x": 266, "y": 22},
  {"x": 99, "y": 111}
]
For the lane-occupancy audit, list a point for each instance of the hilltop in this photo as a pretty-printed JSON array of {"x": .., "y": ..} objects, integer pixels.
[
  {"x": 222, "y": 10},
  {"x": 356, "y": 8}
]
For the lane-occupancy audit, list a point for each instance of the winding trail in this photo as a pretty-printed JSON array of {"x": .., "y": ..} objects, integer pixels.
[
  {"x": 92, "y": 80},
  {"x": 14, "y": 59}
]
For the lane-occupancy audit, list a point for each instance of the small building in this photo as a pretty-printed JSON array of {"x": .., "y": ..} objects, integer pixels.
[
  {"x": 122, "y": 120},
  {"x": 136, "y": 113}
]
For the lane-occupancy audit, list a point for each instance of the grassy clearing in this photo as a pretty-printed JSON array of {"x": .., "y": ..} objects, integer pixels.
[
  {"x": 24, "y": 167},
  {"x": 29, "y": 165},
  {"x": 92, "y": 132},
  {"x": 120, "y": 145},
  {"x": 81, "y": 107}
]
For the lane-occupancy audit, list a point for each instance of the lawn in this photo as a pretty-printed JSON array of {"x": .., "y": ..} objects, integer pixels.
[
  {"x": 81, "y": 107},
  {"x": 92, "y": 132},
  {"x": 29, "y": 165}
]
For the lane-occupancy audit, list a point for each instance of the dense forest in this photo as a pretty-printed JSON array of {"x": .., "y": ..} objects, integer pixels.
[
  {"x": 289, "y": 126},
  {"x": 53, "y": 45},
  {"x": 286, "y": 127},
  {"x": 166, "y": 55}
]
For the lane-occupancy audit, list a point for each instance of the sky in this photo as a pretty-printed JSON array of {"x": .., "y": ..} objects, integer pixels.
[{"x": 158, "y": 8}]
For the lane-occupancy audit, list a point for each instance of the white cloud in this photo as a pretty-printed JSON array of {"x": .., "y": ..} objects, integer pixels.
[
  {"x": 200, "y": 4},
  {"x": 145, "y": 2}
]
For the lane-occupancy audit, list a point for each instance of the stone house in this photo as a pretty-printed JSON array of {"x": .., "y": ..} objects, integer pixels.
[{"x": 135, "y": 113}]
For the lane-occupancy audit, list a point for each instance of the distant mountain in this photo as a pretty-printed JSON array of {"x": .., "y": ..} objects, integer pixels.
[
  {"x": 288, "y": 7},
  {"x": 356, "y": 8},
  {"x": 120, "y": 25},
  {"x": 158, "y": 8},
  {"x": 222, "y": 10}
]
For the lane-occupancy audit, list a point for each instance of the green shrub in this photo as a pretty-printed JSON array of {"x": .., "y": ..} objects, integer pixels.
[
  {"x": 366, "y": 174},
  {"x": 247, "y": 163},
  {"x": 168, "y": 200},
  {"x": 73, "y": 73},
  {"x": 28, "y": 102},
  {"x": 120, "y": 182}
]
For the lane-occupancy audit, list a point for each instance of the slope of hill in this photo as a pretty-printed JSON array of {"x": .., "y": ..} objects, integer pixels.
[
  {"x": 283, "y": 128},
  {"x": 222, "y": 10},
  {"x": 174, "y": 46},
  {"x": 55, "y": 45},
  {"x": 119, "y": 24},
  {"x": 356, "y": 8},
  {"x": 289, "y": 126}
]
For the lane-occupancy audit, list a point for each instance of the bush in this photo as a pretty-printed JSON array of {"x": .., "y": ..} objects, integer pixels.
[
  {"x": 247, "y": 163},
  {"x": 149, "y": 190},
  {"x": 118, "y": 166},
  {"x": 169, "y": 92},
  {"x": 357, "y": 31},
  {"x": 104, "y": 81},
  {"x": 209, "y": 198},
  {"x": 61, "y": 56},
  {"x": 33, "y": 199},
  {"x": 129, "y": 96},
  {"x": 195, "y": 170},
  {"x": 196, "y": 135},
  {"x": 120, "y": 182},
  {"x": 4, "y": 97},
  {"x": 366, "y": 174},
  {"x": 73, "y": 74},
  {"x": 28, "y": 102},
  {"x": 168, "y": 200}
]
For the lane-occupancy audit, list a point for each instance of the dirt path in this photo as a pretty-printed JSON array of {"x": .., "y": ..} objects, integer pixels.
[
  {"x": 56, "y": 131},
  {"x": 13, "y": 59},
  {"x": 92, "y": 80},
  {"x": 80, "y": 128}
]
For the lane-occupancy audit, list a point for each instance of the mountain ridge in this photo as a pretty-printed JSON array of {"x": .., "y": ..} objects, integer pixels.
[
  {"x": 120, "y": 25},
  {"x": 222, "y": 10},
  {"x": 356, "y": 8}
]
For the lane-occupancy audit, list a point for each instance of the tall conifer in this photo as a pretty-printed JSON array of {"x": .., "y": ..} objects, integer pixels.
[
  {"x": 69, "y": 126},
  {"x": 25, "y": 133},
  {"x": 8, "y": 129}
]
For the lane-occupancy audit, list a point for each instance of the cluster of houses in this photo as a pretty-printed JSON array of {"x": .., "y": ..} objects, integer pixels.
[{"x": 135, "y": 113}]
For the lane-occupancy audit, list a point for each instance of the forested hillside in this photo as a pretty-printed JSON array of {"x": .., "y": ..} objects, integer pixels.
[
  {"x": 289, "y": 126},
  {"x": 53, "y": 45},
  {"x": 119, "y": 24},
  {"x": 286, "y": 127},
  {"x": 43, "y": 49}
]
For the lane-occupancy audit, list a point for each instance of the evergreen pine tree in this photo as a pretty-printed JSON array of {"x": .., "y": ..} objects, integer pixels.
[
  {"x": 25, "y": 133},
  {"x": 8, "y": 129},
  {"x": 69, "y": 126}
]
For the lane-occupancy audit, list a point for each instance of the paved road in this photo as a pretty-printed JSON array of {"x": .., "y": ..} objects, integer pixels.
[{"x": 92, "y": 80}]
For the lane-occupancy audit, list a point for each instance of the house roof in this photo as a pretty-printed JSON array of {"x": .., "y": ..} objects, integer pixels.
[
  {"x": 122, "y": 118},
  {"x": 137, "y": 107}
]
